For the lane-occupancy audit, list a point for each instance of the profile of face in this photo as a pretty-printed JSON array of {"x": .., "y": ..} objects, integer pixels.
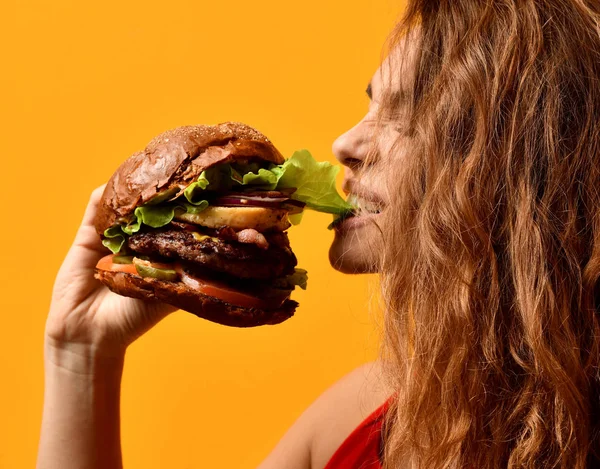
[{"x": 365, "y": 151}]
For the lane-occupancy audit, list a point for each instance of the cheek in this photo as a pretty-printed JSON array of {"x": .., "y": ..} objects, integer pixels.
[
  {"x": 391, "y": 144},
  {"x": 393, "y": 152}
]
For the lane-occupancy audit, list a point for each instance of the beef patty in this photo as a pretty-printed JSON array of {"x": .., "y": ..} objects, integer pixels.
[{"x": 230, "y": 257}]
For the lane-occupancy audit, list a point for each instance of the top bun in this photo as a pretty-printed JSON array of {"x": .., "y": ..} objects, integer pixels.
[{"x": 175, "y": 159}]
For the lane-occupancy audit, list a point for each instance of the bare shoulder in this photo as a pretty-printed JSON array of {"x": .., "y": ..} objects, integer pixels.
[
  {"x": 340, "y": 409},
  {"x": 322, "y": 428}
]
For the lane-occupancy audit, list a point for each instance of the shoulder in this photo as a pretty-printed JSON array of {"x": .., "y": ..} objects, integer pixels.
[
  {"x": 326, "y": 423},
  {"x": 340, "y": 409}
]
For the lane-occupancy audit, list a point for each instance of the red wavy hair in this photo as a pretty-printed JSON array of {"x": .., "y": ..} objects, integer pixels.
[{"x": 491, "y": 254}]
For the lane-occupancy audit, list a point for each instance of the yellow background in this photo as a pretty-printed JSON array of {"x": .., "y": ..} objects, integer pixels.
[{"x": 85, "y": 84}]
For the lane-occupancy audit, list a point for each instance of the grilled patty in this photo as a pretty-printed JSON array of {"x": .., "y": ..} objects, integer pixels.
[{"x": 230, "y": 257}]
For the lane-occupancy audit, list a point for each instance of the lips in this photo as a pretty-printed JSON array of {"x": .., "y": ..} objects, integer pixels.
[
  {"x": 368, "y": 207},
  {"x": 353, "y": 222}
]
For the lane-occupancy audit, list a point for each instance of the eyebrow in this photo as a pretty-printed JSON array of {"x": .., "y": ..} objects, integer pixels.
[{"x": 370, "y": 91}]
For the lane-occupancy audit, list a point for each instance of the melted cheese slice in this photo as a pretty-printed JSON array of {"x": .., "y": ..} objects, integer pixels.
[{"x": 239, "y": 218}]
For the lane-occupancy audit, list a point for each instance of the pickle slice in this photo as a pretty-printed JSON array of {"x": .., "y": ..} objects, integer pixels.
[
  {"x": 160, "y": 274},
  {"x": 122, "y": 259}
]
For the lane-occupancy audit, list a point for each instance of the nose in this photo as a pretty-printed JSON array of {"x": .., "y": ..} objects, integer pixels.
[{"x": 352, "y": 147}]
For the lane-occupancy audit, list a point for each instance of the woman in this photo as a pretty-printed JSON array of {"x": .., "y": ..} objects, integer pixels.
[{"x": 481, "y": 150}]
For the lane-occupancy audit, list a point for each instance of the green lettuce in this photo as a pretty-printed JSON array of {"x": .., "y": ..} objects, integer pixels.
[
  {"x": 298, "y": 279},
  {"x": 114, "y": 238},
  {"x": 314, "y": 183},
  {"x": 155, "y": 216},
  {"x": 191, "y": 191},
  {"x": 266, "y": 178}
]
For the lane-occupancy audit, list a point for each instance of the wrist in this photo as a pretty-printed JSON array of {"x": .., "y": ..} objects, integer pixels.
[
  {"x": 80, "y": 424},
  {"x": 83, "y": 359}
]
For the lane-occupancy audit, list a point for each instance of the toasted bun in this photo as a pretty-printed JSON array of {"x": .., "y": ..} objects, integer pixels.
[
  {"x": 175, "y": 159},
  {"x": 183, "y": 297}
]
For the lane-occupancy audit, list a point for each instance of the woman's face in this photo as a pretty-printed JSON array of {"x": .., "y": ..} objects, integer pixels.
[
  {"x": 355, "y": 246},
  {"x": 368, "y": 150}
]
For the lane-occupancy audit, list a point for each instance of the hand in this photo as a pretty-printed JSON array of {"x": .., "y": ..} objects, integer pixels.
[{"x": 84, "y": 312}]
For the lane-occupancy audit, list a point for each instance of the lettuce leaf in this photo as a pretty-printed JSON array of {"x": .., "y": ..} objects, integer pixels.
[
  {"x": 163, "y": 196},
  {"x": 114, "y": 238},
  {"x": 265, "y": 178},
  {"x": 298, "y": 279},
  {"x": 155, "y": 216},
  {"x": 195, "y": 207},
  {"x": 193, "y": 189},
  {"x": 314, "y": 183}
]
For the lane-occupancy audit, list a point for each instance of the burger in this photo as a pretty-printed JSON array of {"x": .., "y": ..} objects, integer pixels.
[{"x": 199, "y": 220}]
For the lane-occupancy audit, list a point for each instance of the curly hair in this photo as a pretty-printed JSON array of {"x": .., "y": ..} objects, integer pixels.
[{"x": 491, "y": 254}]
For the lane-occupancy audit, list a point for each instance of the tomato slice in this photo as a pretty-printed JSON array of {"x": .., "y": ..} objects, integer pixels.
[
  {"x": 228, "y": 294},
  {"x": 106, "y": 263},
  {"x": 207, "y": 287}
]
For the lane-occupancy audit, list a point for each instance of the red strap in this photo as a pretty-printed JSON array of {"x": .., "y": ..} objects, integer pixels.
[{"x": 362, "y": 447}]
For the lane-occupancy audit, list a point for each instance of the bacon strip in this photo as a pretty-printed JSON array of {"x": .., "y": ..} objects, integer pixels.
[
  {"x": 250, "y": 236},
  {"x": 247, "y": 236}
]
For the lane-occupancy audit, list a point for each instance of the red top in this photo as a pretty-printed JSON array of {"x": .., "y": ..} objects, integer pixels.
[{"x": 362, "y": 449}]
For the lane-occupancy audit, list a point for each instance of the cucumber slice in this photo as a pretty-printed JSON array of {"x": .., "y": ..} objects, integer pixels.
[{"x": 160, "y": 274}]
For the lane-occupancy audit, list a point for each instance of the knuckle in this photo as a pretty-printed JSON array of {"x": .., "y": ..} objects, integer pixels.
[{"x": 97, "y": 193}]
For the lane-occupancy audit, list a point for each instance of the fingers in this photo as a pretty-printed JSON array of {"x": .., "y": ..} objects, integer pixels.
[
  {"x": 87, "y": 247},
  {"x": 78, "y": 265},
  {"x": 92, "y": 207}
]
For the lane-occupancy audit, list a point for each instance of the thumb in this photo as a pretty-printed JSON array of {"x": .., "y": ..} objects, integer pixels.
[
  {"x": 87, "y": 247},
  {"x": 91, "y": 210}
]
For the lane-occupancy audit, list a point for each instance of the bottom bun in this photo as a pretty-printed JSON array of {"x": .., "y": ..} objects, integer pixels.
[{"x": 183, "y": 297}]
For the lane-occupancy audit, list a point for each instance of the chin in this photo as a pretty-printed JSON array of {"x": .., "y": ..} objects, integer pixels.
[{"x": 354, "y": 250}]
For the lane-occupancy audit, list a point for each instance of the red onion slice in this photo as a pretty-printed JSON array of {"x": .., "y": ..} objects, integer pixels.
[{"x": 268, "y": 202}]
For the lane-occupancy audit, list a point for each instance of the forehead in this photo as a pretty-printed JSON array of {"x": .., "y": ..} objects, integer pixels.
[{"x": 396, "y": 72}]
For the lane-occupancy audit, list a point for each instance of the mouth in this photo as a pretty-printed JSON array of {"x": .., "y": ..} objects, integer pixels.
[
  {"x": 364, "y": 205},
  {"x": 365, "y": 210}
]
